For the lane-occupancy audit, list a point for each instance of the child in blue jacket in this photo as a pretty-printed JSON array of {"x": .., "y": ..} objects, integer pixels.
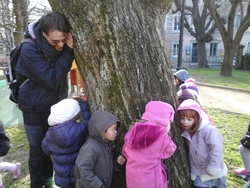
[{"x": 64, "y": 138}]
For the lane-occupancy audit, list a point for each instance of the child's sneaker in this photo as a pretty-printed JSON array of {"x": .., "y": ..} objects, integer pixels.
[
  {"x": 49, "y": 183},
  {"x": 241, "y": 172},
  {"x": 16, "y": 172}
]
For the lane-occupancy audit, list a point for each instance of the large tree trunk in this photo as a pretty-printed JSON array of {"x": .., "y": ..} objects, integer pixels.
[
  {"x": 119, "y": 51},
  {"x": 202, "y": 54},
  {"x": 227, "y": 65}
]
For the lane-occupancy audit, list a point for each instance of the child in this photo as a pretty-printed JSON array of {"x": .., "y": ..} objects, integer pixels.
[
  {"x": 4, "y": 148},
  {"x": 64, "y": 139},
  {"x": 245, "y": 155},
  {"x": 94, "y": 163},
  {"x": 189, "y": 90},
  {"x": 146, "y": 144},
  {"x": 205, "y": 146},
  {"x": 180, "y": 77}
]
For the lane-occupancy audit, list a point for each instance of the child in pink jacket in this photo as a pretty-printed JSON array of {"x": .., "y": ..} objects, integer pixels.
[{"x": 146, "y": 144}]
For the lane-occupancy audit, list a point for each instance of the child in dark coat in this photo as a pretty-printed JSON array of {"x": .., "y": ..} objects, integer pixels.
[
  {"x": 64, "y": 138},
  {"x": 244, "y": 150},
  {"x": 94, "y": 164},
  {"x": 4, "y": 148}
]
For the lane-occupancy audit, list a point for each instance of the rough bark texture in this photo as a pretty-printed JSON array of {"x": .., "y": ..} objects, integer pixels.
[
  {"x": 119, "y": 51},
  {"x": 20, "y": 9}
]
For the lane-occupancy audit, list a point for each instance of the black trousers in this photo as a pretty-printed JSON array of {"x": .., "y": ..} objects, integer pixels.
[{"x": 40, "y": 164}]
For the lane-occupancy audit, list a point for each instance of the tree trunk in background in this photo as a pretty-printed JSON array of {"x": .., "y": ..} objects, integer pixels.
[
  {"x": 231, "y": 38},
  {"x": 202, "y": 54},
  {"x": 20, "y": 9},
  {"x": 239, "y": 57},
  {"x": 119, "y": 51}
]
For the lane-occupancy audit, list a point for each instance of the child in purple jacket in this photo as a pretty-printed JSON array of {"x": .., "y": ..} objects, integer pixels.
[
  {"x": 64, "y": 138},
  {"x": 205, "y": 143},
  {"x": 146, "y": 144}
]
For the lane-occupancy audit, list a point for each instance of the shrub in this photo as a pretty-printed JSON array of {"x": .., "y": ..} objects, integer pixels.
[{"x": 247, "y": 61}]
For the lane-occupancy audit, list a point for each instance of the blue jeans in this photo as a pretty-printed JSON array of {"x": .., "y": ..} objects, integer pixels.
[
  {"x": 40, "y": 164},
  {"x": 245, "y": 155},
  {"x": 220, "y": 183}
]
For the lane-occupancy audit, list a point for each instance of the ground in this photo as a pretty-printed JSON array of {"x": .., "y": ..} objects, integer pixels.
[{"x": 233, "y": 100}]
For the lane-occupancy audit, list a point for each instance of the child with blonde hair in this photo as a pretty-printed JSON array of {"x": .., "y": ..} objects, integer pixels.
[
  {"x": 146, "y": 144},
  {"x": 205, "y": 144}
]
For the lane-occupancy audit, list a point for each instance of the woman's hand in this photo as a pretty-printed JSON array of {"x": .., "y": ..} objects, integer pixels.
[{"x": 70, "y": 40}]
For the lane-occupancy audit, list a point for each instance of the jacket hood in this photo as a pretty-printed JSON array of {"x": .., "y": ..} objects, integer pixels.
[
  {"x": 29, "y": 32},
  {"x": 143, "y": 135},
  {"x": 190, "y": 104},
  {"x": 182, "y": 75},
  {"x": 158, "y": 112},
  {"x": 99, "y": 122}
]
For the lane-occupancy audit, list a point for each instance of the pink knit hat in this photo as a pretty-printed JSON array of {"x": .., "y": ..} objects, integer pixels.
[{"x": 158, "y": 112}]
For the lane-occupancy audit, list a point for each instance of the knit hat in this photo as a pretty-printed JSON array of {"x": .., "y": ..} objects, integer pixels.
[
  {"x": 185, "y": 94},
  {"x": 63, "y": 111},
  {"x": 182, "y": 75},
  {"x": 191, "y": 85},
  {"x": 158, "y": 112},
  {"x": 188, "y": 90}
]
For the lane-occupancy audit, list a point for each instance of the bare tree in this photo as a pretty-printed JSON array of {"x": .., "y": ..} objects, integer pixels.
[
  {"x": 118, "y": 45},
  {"x": 231, "y": 38},
  {"x": 14, "y": 16},
  {"x": 6, "y": 24},
  {"x": 201, "y": 27},
  {"x": 20, "y": 9}
]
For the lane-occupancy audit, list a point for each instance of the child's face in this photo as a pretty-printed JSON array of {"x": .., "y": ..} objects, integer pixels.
[
  {"x": 187, "y": 122},
  {"x": 176, "y": 81},
  {"x": 110, "y": 133}
]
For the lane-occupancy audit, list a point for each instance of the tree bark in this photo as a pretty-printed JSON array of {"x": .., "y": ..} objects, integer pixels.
[
  {"x": 202, "y": 54},
  {"x": 20, "y": 8},
  {"x": 118, "y": 45}
]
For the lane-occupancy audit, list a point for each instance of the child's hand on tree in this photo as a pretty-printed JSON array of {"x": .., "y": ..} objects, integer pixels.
[{"x": 121, "y": 160}]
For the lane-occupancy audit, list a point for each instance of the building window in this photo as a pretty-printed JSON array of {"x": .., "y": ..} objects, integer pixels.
[
  {"x": 175, "y": 50},
  {"x": 213, "y": 49},
  {"x": 176, "y": 23}
]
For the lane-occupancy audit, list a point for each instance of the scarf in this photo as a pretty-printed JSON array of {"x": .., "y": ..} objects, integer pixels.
[{"x": 49, "y": 51}]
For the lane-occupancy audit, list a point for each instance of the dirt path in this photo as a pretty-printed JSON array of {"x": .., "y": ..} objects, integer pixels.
[{"x": 226, "y": 99}]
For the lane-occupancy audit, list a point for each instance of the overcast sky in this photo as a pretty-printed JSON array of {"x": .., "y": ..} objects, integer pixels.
[{"x": 42, "y": 2}]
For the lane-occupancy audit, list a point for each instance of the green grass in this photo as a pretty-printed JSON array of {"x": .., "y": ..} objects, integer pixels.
[
  {"x": 240, "y": 78},
  {"x": 18, "y": 152},
  {"x": 232, "y": 126}
]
